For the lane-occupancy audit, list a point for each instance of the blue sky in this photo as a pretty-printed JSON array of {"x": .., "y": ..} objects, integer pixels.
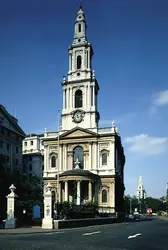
[{"x": 130, "y": 40}]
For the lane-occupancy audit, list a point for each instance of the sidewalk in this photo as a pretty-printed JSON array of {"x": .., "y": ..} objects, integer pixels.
[
  {"x": 162, "y": 217},
  {"x": 29, "y": 230}
]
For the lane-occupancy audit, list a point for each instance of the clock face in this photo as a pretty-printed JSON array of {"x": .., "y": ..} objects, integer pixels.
[{"x": 78, "y": 115}]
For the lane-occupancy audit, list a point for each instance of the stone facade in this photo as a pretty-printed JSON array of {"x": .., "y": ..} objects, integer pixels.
[
  {"x": 11, "y": 136},
  {"x": 83, "y": 162},
  {"x": 33, "y": 155}
]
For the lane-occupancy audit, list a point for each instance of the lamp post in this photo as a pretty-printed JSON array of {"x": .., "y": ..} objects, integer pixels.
[
  {"x": 130, "y": 205},
  {"x": 58, "y": 162}
]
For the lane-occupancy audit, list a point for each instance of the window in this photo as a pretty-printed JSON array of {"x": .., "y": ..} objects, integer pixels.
[
  {"x": 78, "y": 154},
  {"x": 53, "y": 161},
  {"x": 31, "y": 142},
  {"x": 79, "y": 27},
  {"x": 104, "y": 196},
  {"x": 17, "y": 150},
  {"x": 30, "y": 167},
  {"x": 17, "y": 162},
  {"x": 8, "y": 146},
  {"x": 8, "y": 133},
  {"x": 104, "y": 158},
  {"x": 79, "y": 62},
  {"x": 25, "y": 143},
  {"x": 1, "y": 144},
  {"x": 7, "y": 160},
  {"x": 78, "y": 99}
]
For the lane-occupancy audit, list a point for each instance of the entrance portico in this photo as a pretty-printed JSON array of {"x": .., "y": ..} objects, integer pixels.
[{"x": 78, "y": 186}]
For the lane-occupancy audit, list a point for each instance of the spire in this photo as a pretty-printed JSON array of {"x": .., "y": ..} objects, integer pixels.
[{"x": 80, "y": 27}]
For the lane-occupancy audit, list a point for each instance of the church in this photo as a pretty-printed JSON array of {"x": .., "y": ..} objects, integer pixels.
[{"x": 83, "y": 162}]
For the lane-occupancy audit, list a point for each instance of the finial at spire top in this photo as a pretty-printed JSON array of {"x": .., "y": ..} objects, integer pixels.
[{"x": 80, "y": 6}]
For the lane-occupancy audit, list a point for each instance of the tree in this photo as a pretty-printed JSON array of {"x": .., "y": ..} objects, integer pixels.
[{"x": 28, "y": 189}]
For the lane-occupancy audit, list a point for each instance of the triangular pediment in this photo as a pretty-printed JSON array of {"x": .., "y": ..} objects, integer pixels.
[
  {"x": 9, "y": 121},
  {"x": 78, "y": 132}
]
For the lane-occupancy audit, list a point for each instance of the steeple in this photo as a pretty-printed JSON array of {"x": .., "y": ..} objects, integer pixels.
[
  {"x": 80, "y": 89},
  {"x": 80, "y": 27}
]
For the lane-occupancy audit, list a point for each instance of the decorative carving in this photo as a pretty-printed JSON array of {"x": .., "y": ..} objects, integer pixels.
[
  {"x": 79, "y": 52},
  {"x": 77, "y": 162},
  {"x": 103, "y": 145}
]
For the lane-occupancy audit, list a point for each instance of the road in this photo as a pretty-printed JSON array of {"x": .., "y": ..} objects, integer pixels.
[{"x": 134, "y": 235}]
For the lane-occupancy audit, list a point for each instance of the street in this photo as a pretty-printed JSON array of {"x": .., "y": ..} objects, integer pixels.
[{"x": 151, "y": 234}]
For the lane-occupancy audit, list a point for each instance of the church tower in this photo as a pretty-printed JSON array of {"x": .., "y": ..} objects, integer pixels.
[
  {"x": 80, "y": 89},
  {"x": 141, "y": 193}
]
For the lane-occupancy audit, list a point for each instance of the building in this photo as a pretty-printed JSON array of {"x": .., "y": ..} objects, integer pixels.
[
  {"x": 11, "y": 136},
  {"x": 86, "y": 161},
  {"x": 141, "y": 193},
  {"x": 33, "y": 155}
]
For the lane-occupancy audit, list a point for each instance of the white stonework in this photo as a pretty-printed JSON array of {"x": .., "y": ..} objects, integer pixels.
[
  {"x": 33, "y": 155},
  {"x": 11, "y": 220},
  {"x": 141, "y": 193},
  {"x": 89, "y": 157},
  {"x": 47, "y": 222},
  {"x": 80, "y": 77}
]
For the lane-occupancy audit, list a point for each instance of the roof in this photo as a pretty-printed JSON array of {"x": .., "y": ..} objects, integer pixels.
[
  {"x": 13, "y": 120},
  {"x": 79, "y": 172}
]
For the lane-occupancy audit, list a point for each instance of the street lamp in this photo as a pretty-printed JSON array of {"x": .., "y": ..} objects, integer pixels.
[
  {"x": 130, "y": 205},
  {"x": 58, "y": 162}
]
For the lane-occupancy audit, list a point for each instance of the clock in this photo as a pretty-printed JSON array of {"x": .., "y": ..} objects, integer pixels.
[{"x": 78, "y": 116}]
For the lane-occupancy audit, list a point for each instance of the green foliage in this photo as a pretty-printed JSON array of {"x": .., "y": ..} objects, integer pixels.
[
  {"x": 142, "y": 205},
  {"x": 28, "y": 190},
  {"x": 72, "y": 211}
]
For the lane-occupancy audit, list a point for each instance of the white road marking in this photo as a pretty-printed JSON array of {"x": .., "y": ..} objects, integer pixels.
[
  {"x": 91, "y": 233},
  {"x": 48, "y": 233},
  {"x": 134, "y": 236}
]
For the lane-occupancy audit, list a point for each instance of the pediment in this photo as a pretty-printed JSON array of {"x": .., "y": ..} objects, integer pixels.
[{"x": 78, "y": 132}]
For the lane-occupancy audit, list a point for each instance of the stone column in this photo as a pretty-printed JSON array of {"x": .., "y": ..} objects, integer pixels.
[
  {"x": 60, "y": 165},
  {"x": 90, "y": 156},
  {"x": 64, "y": 99},
  {"x": 67, "y": 98},
  {"x": 65, "y": 157},
  {"x": 66, "y": 190},
  {"x": 70, "y": 98},
  {"x": 85, "y": 96},
  {"x": 11, "y": 221},
  {"x": 78, "y": 193},
  {"x": 96, "y": 157},
  {"x": 47, "y": 222},
  {"x": 70, "y": 64},
  {"x": 93, "y": 95},
  {"x": 90, "y": 191}
]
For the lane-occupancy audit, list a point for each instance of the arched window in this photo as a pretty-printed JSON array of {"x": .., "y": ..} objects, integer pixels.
[
  {"x": 53, "y": 161},
  {"x": 79, "y": 62},
  {"x": 78, "y": 156},
  {"x": 104, "y": 196},
  {"x": 78, "y": 99},
  {"x": 79, "y": 27},
  {"x": 104, "y": 158}
]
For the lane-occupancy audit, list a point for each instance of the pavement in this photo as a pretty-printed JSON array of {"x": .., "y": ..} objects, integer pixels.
[{"x": 140, "y": 235}]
